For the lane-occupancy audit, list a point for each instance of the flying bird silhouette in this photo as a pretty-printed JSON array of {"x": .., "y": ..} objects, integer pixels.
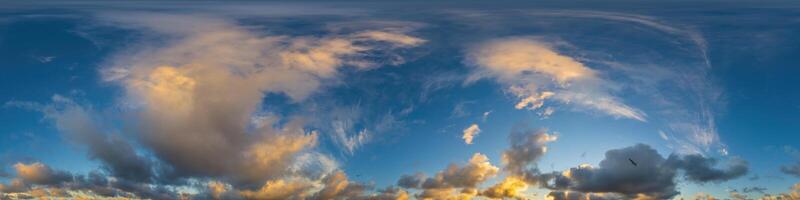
[{"x": 632, "y": 162}]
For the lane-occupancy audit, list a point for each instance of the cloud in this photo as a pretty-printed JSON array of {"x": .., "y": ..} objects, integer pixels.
[
  {"x": 280, "y": 189},
  {"x": 391, "y": 193},
  {"x": 82, "y": 125},
  {"x": 695, "y": 37},
  {"x": 703, "y": 196},
  {"x": 198, "y": 93},
  {"x": 44, "y": 59},
  {"x": 411, "y": 181},
  {"x": 470, "y": 132},
  {"x": 615, "y": 174},
  {"x": 700, "y": 169},
  {"x": 754, "y": 189},
  {"x": 737, "y": 196},
  {"x": 343, "y": 122},
  {"x": 510, "y": 187},
  {"x": 401, "y": 40},
  {"x": 193, "y": 85},
  {"x": 37, "y": 180},
  {"x": 461, "y": 109},
  {"x": 527, "y": 147},
  {"x": 15, "y": 186},
  {"x": 663, "y": 135},
  {"x": 653, "y": 177},
  {"x": 38, "y": 173},
  {"x": 793, "y": 194},
  {"x": 684, "y": 98},
  {"x": 217, "y": 189},
  {"x": 572, "y": 195},
  {"x": 535, "y": 73},
  {"x": 793, "y": 170},
  {"x": 337, "y": 186},
  {"x": 455, "y": 182}
]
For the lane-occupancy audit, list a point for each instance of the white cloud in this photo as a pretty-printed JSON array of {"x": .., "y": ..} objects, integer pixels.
[
  {"x": 470, "y": 133},
  {"x": 486, "y": 115},
  {"x": 663, "y": 135}
]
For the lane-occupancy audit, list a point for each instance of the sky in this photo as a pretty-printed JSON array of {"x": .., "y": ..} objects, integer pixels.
[{"x": 400, "y": 100}]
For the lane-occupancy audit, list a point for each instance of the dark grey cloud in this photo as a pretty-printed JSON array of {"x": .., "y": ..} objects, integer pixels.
[
  {"x": 81, "y": 125},
  {"x": 411, "y": 181},
  {"x": 701, "y": 169},
  {"x": 615, "y": 174},
  {"x": 653, "y": 176},
  {"x": 761, "y": 190},
  {"x": 527, "y": 147},
  {"x": 793, "y": 170}
]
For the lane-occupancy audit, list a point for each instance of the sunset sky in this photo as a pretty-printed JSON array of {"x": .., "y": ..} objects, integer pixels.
[{"x": 616, "y": 99}]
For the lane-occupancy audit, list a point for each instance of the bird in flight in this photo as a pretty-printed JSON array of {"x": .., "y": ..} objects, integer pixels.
[{"x": 632, "y": 162}]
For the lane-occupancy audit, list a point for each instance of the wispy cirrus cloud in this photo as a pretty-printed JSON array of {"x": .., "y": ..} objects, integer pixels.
[{"x": 535, "y": 72}]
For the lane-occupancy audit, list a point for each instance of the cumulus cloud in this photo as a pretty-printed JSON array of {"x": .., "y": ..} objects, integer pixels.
[
  {"x": 653, "y": 177},
  {"x": 455, "y": 182},
  {"x": 470, "y": 132},
  {"x": 15, "y": 186},
  {"x": 615, "y": 174},
  {"x": 280, "y": 189},
  {"x": 199, "y": 92},
  {"x": 535, "y": 73},
  {"x": 38, "y": 173},
  {"x": 37, "y": 180},
  {"x": 337, "y": 186},
  {"x": 411, "y": 181},
  {"x": 391, "y": 193},
  {"x": 527, "y": 147},
  {"x": 510, "y": 187},
  {"x": 217, "y": 190}
]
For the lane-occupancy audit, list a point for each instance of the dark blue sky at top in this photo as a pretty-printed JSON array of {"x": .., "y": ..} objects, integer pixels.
[{"x": 752, "y": 49}]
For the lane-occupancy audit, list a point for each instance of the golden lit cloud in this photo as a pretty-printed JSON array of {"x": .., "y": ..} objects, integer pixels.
[
  {"x": 280, "y": 189},
  {"x": 510, "y": 187},
  {"x": 535, "y": 72},
  {"x": 470, "y": 133},
  {"x": 199, "y": 93}
]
